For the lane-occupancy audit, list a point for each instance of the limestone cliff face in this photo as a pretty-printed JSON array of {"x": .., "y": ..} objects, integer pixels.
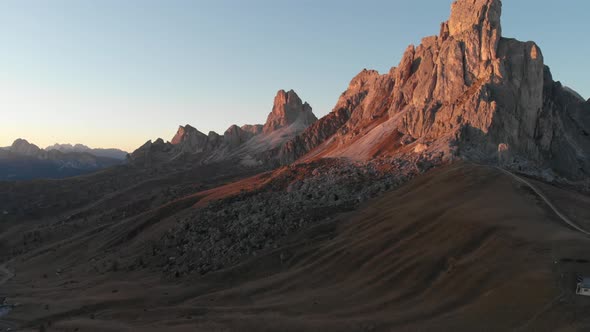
[
  {"x": 252, "y": 129},
  {"x": 287, "y": 109},
  {"x": 467, "y": 93},
  {"x": 23, "y": 147},
  {"x": 151, "y": 153},
  {"x": 235, "y": 136},
  {"x": 364, "y": 101},
  {"x": 189, "y": 139},
  {"x": 563, "y": 130}
]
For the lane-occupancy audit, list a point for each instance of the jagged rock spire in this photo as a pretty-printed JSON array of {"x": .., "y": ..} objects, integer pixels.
[
  {"x": 466, "y": 93},
  {"x": 22, "y": 146},
  {"x": 186, "y": 133},
  {"x": 287, "y": 109},
  {"x": 479, "y": 17}
]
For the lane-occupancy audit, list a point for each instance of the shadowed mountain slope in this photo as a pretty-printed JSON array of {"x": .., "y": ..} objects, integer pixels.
[{"x": 461, "y": 247}]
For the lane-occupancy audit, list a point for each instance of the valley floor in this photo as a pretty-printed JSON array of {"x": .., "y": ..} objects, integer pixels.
[{"x": 460, "y": 248}]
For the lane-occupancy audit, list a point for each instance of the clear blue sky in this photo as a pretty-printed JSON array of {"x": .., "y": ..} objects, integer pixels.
[{"x": 114, "y": 73}]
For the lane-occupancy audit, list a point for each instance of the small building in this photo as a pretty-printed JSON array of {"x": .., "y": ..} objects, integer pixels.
[{"x": 583, "y": 286}]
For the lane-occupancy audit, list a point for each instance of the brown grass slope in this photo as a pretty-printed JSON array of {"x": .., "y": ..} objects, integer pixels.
[{"x": 462, "y": 248}]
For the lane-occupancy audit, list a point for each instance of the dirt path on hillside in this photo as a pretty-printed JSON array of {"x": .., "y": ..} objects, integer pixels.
[{"x": 539, "y": 193}]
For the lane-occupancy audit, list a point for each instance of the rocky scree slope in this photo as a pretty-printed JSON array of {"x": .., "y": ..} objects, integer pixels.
[{"x": 225, "y": 232}]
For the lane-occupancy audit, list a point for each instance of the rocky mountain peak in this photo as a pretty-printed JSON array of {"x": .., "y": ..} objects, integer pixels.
[
  {"x": 469, "y": 15},
  {"x": 185, "y": 133},
  {"x": 287, "y": 109},
  {"x": 158, "y": 141},
  {"x": 476, "y": 26},
  {"x": 235, "y": 136},
  {"x": 99, "y": 152},
  {"x": 466, "y": 93},
  {"x": 362, "y": 79},
  {"x": 23, "y": 147},
  {"x": 289, "y": 117},
  {"x": 189, "y": 139},
  {"x": 252, "y": 129},
  {"x": 61, "y": 147}
]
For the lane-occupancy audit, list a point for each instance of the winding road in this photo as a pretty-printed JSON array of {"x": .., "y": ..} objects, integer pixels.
[{"x": 539, "y": 193}]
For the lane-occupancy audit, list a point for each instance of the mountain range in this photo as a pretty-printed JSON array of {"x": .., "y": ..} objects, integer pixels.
[
  {"x": 450, "y": 193},
  {"x": 245, "y": 144},
  {"x": 108, "y": 153},
  {"x": 26, "y": 161},
  {"x": 467, "y": 93}
]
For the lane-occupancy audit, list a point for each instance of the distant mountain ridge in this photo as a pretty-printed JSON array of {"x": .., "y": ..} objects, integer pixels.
[
  {"x": 250, "y": 145},
  {"x": 109, "y": 153},
  {"x": 26, "y": 161}
]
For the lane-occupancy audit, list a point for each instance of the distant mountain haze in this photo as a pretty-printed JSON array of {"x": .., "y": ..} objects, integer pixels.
[
  {"x": 25, "y": 161},
  {"x": 109, "y": 153}
]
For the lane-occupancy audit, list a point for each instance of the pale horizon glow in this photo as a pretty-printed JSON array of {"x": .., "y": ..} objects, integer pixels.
[{"x": 114, "y": 74}]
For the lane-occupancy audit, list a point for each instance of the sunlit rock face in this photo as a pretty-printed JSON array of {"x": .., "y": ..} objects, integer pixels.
[
  {"x": 465, "y": 93},
  {"x": 287, "y": 109},
  {"x": 462, "y": 93}
]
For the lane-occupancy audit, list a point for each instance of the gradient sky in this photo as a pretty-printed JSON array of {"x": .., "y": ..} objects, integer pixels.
[{"x": 114, "y": 73}]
